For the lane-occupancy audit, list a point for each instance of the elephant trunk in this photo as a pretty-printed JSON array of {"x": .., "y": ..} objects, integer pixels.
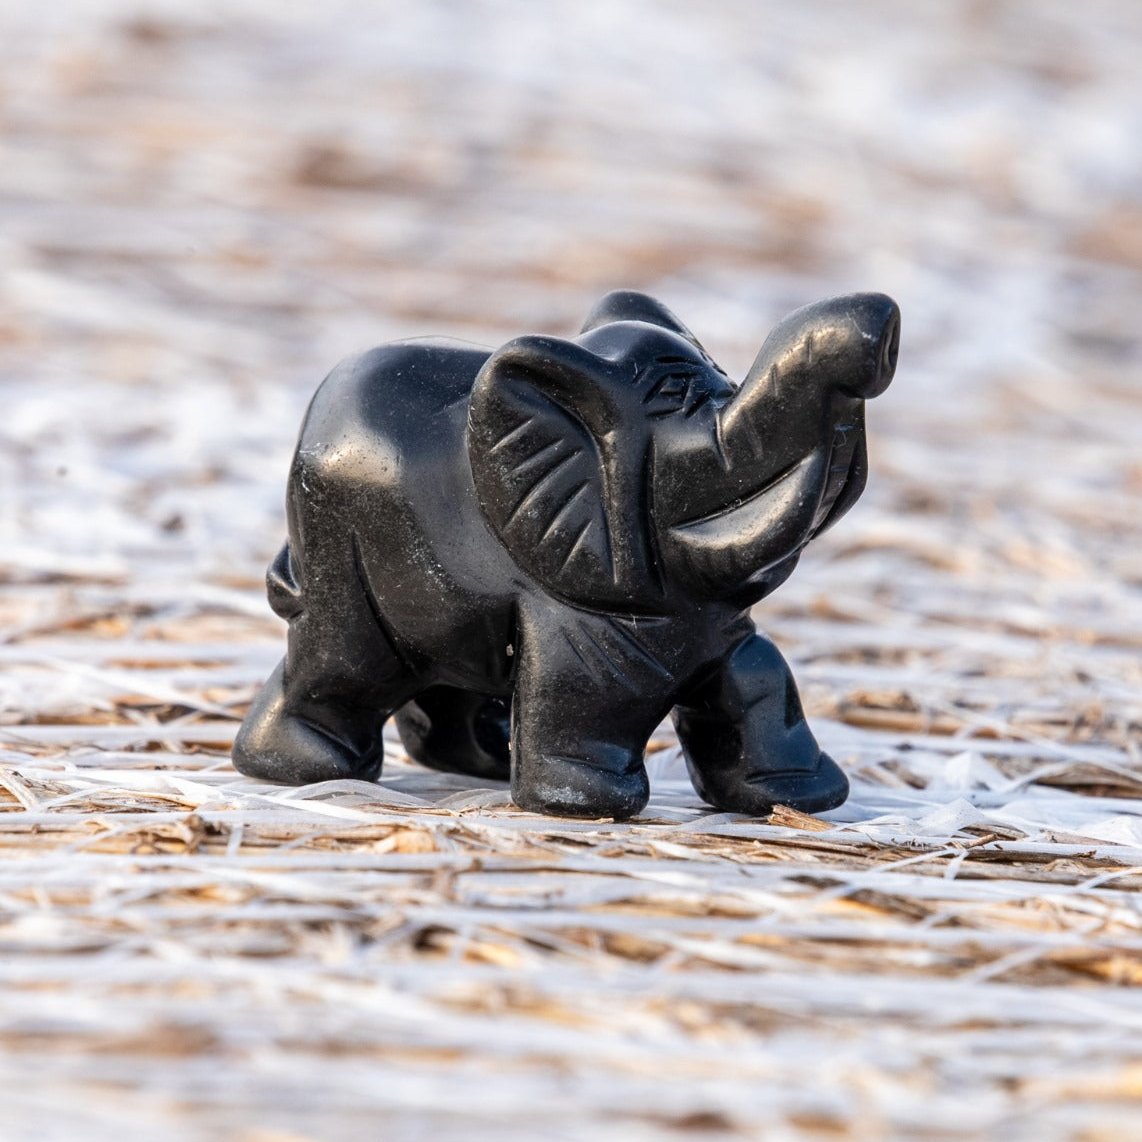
[
  {"x": 846, "y": 346},
  {"x": 789, "y": 447}
]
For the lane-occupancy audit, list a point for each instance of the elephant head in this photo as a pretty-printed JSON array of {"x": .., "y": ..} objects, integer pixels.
[{"x": 623, "y": 468}]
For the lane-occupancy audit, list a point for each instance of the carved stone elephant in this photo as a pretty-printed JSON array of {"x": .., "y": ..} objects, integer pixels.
[{"x": 532, "y": 555}]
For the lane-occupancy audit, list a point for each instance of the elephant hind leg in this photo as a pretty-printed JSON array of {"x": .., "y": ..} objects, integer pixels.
[
  {"x": 320, "y": 715},
  {"x": 456, "y": 731},
  {"x": 298, "y": 735},
  {"x": 746, "y": 741}
]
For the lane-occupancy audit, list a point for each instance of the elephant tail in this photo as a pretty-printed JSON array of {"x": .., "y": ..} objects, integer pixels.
[{"x": 282, "y": 588}]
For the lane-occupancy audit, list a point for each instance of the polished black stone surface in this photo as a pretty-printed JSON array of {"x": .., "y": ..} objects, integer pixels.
[{"x": 531, "y": 555}]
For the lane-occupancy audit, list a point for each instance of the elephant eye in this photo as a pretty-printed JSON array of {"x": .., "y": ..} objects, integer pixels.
[{"x": 674, "y": 390}]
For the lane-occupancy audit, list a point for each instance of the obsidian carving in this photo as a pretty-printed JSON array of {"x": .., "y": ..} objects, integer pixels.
[{"x": 531, "y": 555}]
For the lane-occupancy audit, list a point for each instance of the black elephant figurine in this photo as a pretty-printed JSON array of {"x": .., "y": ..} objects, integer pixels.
[{"x": 531, "y": 555}]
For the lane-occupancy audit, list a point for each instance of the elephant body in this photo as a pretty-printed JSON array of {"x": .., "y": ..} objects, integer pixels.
[
  {"x": 380, "y": 467},
  {"x": 532, "y": 555}
]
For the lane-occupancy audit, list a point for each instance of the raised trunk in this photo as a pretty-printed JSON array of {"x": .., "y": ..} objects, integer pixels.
[{"x": 788, "y": 452}]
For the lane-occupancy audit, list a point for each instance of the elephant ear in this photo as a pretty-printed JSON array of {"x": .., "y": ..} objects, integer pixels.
[
  {"x": 539, "y": 408},
  {"x": 630, "y": 305}
]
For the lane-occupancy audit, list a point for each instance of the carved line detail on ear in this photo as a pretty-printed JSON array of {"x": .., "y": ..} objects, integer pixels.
[
  {"x": 573, "y": 377},
  {"x": 538, "y": 411}
]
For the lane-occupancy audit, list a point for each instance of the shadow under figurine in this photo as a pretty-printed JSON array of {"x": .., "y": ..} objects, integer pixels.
[{"x": 531, "y": 555}]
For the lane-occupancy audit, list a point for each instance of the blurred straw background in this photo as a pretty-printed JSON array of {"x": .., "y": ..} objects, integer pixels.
[{"x": 203, "y": 207}]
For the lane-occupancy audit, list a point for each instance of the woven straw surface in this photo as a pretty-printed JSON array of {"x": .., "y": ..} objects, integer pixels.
[{"x": 204, "y": 207}]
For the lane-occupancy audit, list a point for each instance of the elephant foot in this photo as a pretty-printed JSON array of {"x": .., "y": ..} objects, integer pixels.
[
  {"x": 815, "y": 791},
  {"x": 608, "y": 782},
  {"x": 747, "y": 744},
  {"x": 276, "y": 745},
  {"x": 752, "y": 767},
  {"x": 810, "y": 788},
  {"x": 456, "y": 731}
]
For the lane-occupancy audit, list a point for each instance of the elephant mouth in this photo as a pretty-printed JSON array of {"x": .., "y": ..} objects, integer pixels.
[
  {"x": 752, "y": 544},
  {"x": 846, "y": 472},
  {"x": 846, "y": 476}
]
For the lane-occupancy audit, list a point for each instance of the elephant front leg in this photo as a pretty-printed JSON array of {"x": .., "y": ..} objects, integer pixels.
[
  {"x": 746, "y": 741},
  {"x": 587, "y": 699}
]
